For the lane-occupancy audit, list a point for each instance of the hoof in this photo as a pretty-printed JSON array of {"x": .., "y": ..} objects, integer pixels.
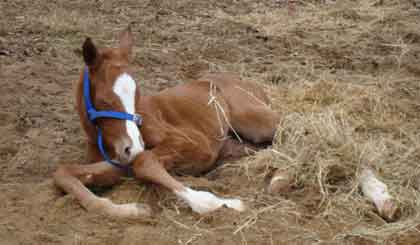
[
  {"x": 389, "y": 210},
  {"x": 281, "y": 182}
]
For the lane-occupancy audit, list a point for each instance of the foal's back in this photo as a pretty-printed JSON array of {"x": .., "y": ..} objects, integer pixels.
[{"x": 218, "y": 103}]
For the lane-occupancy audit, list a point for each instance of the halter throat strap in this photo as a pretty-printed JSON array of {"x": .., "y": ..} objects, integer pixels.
[{"x": 93, "y": 114}]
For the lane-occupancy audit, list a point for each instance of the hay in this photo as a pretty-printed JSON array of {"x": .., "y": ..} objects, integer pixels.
[
  {"x": 220, "y": 112},
  {"x": 335, "y": 133}
]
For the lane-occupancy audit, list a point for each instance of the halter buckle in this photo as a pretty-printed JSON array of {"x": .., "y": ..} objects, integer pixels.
[{"x": 137, "y": 119}]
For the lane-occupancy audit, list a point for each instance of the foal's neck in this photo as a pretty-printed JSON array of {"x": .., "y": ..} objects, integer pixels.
[
  {"x": 143, "y": 105},
  {"x": 154, "y": 128}
]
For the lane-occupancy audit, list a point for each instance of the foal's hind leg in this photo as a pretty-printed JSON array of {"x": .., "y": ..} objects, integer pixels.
[
  {"x": 233, "y": 149},
  {"x": 250, "y": 115},
  {"x": 73, "y": 179},
  {"x": 257, "y": 124}
]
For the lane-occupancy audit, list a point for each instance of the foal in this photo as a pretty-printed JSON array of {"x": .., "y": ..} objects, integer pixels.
[{"x": 185, "y": 128}]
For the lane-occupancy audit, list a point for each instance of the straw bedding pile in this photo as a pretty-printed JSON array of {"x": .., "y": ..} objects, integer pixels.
[{"x": 329, "y": 133}]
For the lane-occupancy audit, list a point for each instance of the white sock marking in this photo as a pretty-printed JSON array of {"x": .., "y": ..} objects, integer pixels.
[
  {"x": 125, "y": 88},
  {"x": 374, "y": 189},
  {"x": 204, "y": 202},
  {"x": 127, "y": 210}
]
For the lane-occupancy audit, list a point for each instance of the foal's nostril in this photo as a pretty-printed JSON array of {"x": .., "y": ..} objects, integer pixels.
[{"x": 127, "y": 150}]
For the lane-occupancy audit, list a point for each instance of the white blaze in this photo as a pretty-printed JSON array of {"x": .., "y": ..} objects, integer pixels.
[{"x": 125, "y": 88}]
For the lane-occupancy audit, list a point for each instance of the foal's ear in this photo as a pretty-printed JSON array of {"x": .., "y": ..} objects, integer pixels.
[
  {"x": 90, "y": 53},
  {"x": 126, "y": 41}
]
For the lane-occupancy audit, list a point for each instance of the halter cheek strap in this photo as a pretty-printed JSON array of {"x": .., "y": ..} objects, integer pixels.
[{"x": 93, "y": 114}]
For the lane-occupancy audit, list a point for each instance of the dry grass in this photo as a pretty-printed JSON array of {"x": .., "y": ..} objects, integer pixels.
[{"x": 338, "y": 129}]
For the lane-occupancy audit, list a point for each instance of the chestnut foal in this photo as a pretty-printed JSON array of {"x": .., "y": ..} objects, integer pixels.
[{"x": 185, "y": 128}]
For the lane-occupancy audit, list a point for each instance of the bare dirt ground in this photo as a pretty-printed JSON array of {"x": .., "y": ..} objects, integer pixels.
[{"x": 344, "y": 75}]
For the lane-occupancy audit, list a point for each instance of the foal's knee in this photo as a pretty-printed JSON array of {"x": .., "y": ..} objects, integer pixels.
[
  {"x": 61, "y": 176},
  {"x": 61, "y": 172}
]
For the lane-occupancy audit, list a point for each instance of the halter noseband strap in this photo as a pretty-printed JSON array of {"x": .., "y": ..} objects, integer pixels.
[{"x": 93, "y": 114}]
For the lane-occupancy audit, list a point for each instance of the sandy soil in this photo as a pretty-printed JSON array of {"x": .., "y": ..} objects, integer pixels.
[{"x": 306, "y": 53}]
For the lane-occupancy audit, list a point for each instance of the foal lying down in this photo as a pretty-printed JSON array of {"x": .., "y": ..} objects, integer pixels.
[{"x": 183, "y": 128}]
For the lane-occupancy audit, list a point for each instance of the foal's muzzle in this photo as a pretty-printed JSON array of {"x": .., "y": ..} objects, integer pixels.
[{"x": 126, "y": 150}]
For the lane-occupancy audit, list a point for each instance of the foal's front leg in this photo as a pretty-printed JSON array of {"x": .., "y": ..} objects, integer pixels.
[
  {"x": 73, "y": 179},
  {"x": 148, "y": 167}
]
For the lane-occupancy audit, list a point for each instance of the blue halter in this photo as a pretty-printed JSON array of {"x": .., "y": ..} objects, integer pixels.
[{"x": 93, "y": 114}]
